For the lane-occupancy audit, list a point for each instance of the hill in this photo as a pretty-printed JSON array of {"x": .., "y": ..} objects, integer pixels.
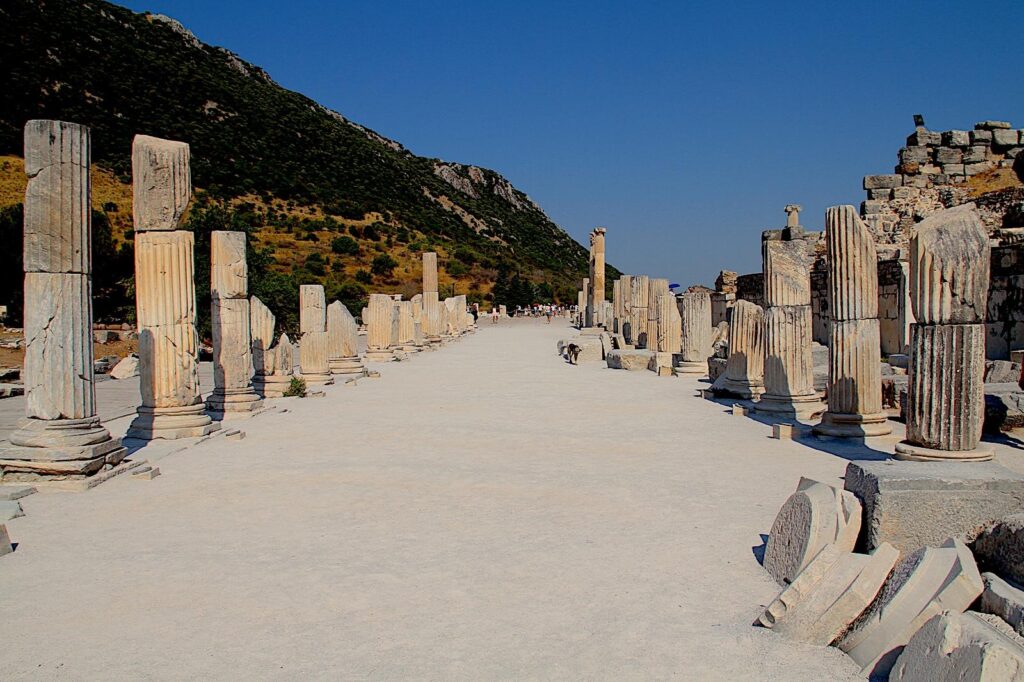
[{"x": 325, "y": 199}]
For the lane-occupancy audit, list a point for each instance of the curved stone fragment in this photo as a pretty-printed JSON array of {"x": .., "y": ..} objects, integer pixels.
[
  {"x": 814, "y": 516},
  {"x": 261, "y": 330},
  {"x": 923, "y": 585},
  {"x": 744, "y": 370},
  {"x": 829, "y": 594},
  {"x": 949, "y": 267}
]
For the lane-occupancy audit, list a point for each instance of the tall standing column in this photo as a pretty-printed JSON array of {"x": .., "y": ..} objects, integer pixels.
[
  {"x": 744, "y": 370},
  {"x": 585, "y": 310},
  {"x": 626, "y": 293},
  {"x": 406, "y": 328},
  {"x": 273, "y": 366},
  {"x": 695, "y": 310},
  {"x": 788, "y": 366},
  {"x": 378, "y": 328},
  {"x": 314, "y": 363},
  {"x": 595, "y": 295},
  {"x": 638, "y": 312},
  {"x": 855, "y": 383},
  {"x": 655, "y": 288},
  {"x": 613, "y": 323},
  {"x": 669, "y": 337},
  {"x": 431, "y": 302},
  {"x": 949, "y": 277},
  {"x": 165, "y": 294},
  {"x": 60, "y": 436},
  {"x": 232, "y": 344}
]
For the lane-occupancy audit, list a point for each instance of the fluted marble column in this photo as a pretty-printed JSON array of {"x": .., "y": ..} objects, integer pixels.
[
  {"x": 744, "y": 370},
  {"x": 406, "y": 328},
  {"x": 788, "y": 365},
  {"x": 595, "y": 293},
  {"x": 378, "y": 328},
  {"x": 233, "y": 392},
  {"x": 61, "y": 435},
  {"x": 314, "y": 364},
  {"x": 669, "y": 326},
  {"x": 855, "y": 382},
  {"x": 343, "y": 341},
  {"x": 432, "y": 328},
  {"x": 165, "y": 294},
  {"x": 638, "y": 312},
  {"x": 949, "y": 276},
  {"x": 695, "y": 310},
  {"x": 273, "y": 366},
  {"x": 625, "y": 307}
]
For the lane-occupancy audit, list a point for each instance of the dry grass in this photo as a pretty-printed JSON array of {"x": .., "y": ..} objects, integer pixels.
[{"x": 993, "y": 181}]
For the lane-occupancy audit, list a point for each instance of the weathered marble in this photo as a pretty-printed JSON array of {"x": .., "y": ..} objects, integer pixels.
[
  {"x": 855, "y": 384},
  {"x": 966, "y": 646},
  {"x": 407, "y": 328},
  {"x": 61, "y": 436},
  {"x": 343, "y": 341},
  {"x": 670, "y": 329},
  {"x": 431, "y": 321},
  {"x": 429, "y": 272},
  {"x": 596, "y": 291},
  {"x": 233, "y": 392},
  {"x": 378, "y": 328},
  {"x": 312, "y": 308},
  {"x": 744, "y": 371},
  {"x": 616, "y": 306},
  {"x": 949, "y": 273},
  {"x": 168, "y": 342},
  {"x": 281, "y": 358},
  {"x": 638, "y": 312},
  {"x": 162, "y": 182},
  {"x": 314, "y": 364},
  {"x": 787, "y": 279},
  {"x": 261, "y": 332},
  {"x": 695, "y": 341}
]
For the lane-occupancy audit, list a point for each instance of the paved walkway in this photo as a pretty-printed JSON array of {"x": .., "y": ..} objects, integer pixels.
[{"x": 482, "y": 512}]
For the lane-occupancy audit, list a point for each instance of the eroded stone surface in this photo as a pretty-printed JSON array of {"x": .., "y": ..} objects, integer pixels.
[
  {"x": 1000, "y": 547},
  {"x": 744, "y": 370},
  {"x": 815, "y": 516},
  {"x": 162, "y": 182},
  {"x": 961, "y": 646},
  {"x": 923, "y": 585},
  {"x": 1004, "y": 600},
  {"x": 634, "y": 360}
]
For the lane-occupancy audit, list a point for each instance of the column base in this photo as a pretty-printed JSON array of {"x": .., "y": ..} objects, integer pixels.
[
  {"x": 351, "y": 365},
  {"x": 731, "y": 388},
  {"x": 59, "y": 448},
  {"x": 169, "y": 423},
  {"x": 316, "y": 379},
  {"x": 410, "y": 348},
  {"x": 271, "y": 385},
  {"x": 918, "y": 453},
  {"x": 690, "y": 367},
  {"x": 379, "y": 356},
  {"x": 853, "y": 425},
  {"x": 800, "y": 407},
  {"x": 240, "y": 402}
]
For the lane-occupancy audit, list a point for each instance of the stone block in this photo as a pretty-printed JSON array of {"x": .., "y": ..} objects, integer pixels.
[
  {"x": 634, "y": 360},
  {"x": 976, "y": 154},
  {"x": 923, "y": 585},
  {"x": 975, "y": 168},
  {"x": 915, "y": 154},
  {"x": 739, "y": 410},
  {"x": 872, "y": 207},
  {"x": 981, "y": 137},
  {"x": 882, "y": 181},
  {"x": 5, "y": 541},
  {"x": 922, "y": 137},
  {"x": 162, "y": 182},
  {"x": 992, "y": 125},
  {"x": 146, "y": 473},
  {"x": 228, "y": 273},
  {"x": 880, "y": 194},
  {"x": 899, "y": 360},
  {"x": 1001, "y": 372},
  {"x": 961, "y": 646},
  {"x": 829, "y": 595},
  {"x": 1003, "y": 599},
  {"x": 126, "y": 368},
  {"x": 716, "y": 367},
  {"x": 10, "y": 509},
  {"x": 917, "y": 504},
  {"x": 782, "y": 431},
  {"x": 15, "y": 492},
  {"x": 947, "y": 155},
  {"x": 1005, "y": 138},
  {"x": 814, "y": 516},
  {"x": 954, "y": 169},
  {"x": 956, "y": 138},
  {"x": 906, "y": 193}
]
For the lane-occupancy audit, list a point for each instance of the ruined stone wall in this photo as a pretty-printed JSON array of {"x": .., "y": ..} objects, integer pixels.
[
  {"x": 933, "y": 172},
  {"x": 819, "y": 303},
  {"x": 751, "y": 288},
  {"x": 1005, "y": 314}
]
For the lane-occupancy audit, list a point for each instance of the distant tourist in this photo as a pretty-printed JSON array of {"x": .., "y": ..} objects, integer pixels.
[{"x": 494, "y": 316}]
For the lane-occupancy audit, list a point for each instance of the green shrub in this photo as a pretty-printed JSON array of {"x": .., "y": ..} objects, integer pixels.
[
  {"x": 364, "y": 276},
  {"x": 344, "y": 246},
  {"x": 296, "y": 388},
  {"x": 383, "y": 265}
]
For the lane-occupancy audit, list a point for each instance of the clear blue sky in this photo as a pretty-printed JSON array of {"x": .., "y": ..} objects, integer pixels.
[{"x": 682, "y": 127}]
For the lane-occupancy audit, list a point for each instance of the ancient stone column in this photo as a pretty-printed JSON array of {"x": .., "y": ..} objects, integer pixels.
[
  {"x": 165, "y": 294},
  {"x": 669, "y": 325},
  {"x": 655, "y": 288},
  {"x": 60, "y": 435},
  {"x": 595, "y": 293},
  {"x": 417, "y": 308},
  {"x": 314, "y": 365},
  {"x": 343, "y": 341},
  {"x": 232, "y": 347},
  {"x": 949, "y": 277},
  {"x": 442, "y": 308},
  {"x": 855, "y": 382},
  {"x": 638, "y": 312},
  {"x": 626, "y": 306},
  {"x": 613, "y": 323},
  {"x": 432, "y": 328},
  {"x": 695, "y": 311},
  {"x": 273, "y": 366},
  {"x": 585, "y": 297},
  {"x": 378, "y": 328},
  {"x": 430, "y": 272},
  {"x": 788, "y": 366},
  {"x": 406, "y": 328},
  {"x": 744, "y": 370}
]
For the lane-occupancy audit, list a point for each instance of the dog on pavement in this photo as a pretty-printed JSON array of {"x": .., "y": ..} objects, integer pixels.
[{"x": 572, "y": 352}]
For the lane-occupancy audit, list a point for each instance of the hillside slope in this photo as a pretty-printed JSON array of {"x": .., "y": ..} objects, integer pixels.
[{"x": 295, "y": 174}]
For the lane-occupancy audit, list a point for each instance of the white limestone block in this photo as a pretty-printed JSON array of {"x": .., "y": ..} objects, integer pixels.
[
  {"x": 961, "y": 646},
  {"x": 229, "y": 277},
  {"x": 162, "y": 182}
]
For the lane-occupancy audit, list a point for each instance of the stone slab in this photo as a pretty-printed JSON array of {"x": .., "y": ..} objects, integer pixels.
[
  {"x": 916, "y": 504},
  {"x": 633, "y": 360},
  {"x": 15, "y": 492}
]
